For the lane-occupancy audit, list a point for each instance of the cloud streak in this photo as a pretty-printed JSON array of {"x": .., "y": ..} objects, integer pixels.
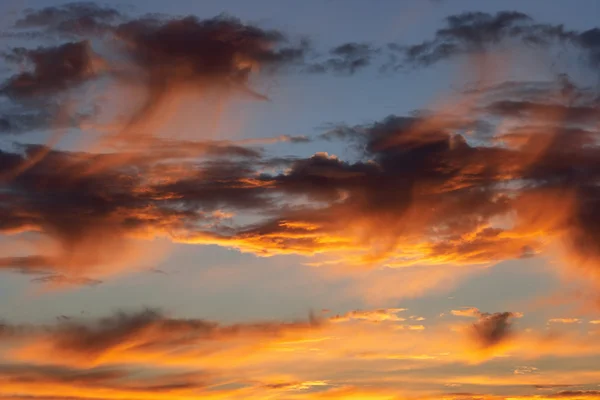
[{"x": 147, "y": 354}]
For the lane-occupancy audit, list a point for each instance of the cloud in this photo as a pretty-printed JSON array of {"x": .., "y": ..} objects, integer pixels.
[
  {"x": 85, "y": 197},
  {"x": 500, "y": 177},
  {"x": 149, "y": 336},
  {"x": 467, "y": 312},
  {"x": 129, "y": 354},
  {"x": 590, "y": 41},
  {"x": 132, "y": 337},
  {"x": 80, "y": 18},
  {"x": 55, "y": 69},
  {"x": 476, "y": 32},
  {"x": 524, "y": 370},
  {"x": 564, "y": 320},
  {"x": 507, "y": 174},
  {"x": 471, "y": 33},
  {"x": 221, "y": 48},
  {"x": 426, "y": 163},
  {"x": 294, "y": 386},
  {"x": 540, "y": 111},
  {"x": 428, "y": 189},
  {"x": 56, "y": 382},
  {"x": 347, "y": 58},
  {"x": 197, "y": 56},
  {"x": 381, "y": 315},
  {"x": 492, "y": 329},
  {"x": 155, "y": 62},
  {"x": 22, "y": 121}
]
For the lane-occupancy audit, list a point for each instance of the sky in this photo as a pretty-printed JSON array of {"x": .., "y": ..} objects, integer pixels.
[{"x": 299, "y": 200}]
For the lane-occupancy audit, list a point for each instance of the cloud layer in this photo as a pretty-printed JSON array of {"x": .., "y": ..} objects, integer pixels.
[
  {"x": 506, "y": 170},
  {"x": 147, "y": 354},
  {"x": 499, "y": 177}
]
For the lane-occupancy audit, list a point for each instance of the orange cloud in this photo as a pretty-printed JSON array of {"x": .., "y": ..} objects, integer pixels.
[
  {"x": 156, "y": 357},
  {"x": 499, "y": 173},
  {"x": 564, "y": 320},
  {"x": 466, "y": 312},
  {"x": 420, "y": 194},
  {"x": 381, "y": 315}
]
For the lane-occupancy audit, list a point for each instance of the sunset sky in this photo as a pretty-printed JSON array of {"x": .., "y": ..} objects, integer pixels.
[{"x": 316, "y": 199}]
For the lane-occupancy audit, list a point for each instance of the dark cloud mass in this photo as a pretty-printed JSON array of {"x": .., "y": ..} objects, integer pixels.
[
  {"x": 77, "y": 198},
  {"x": 422, "y": 193},
  {"x": 149, "y": 329},
  {"x": 167, "y": 57},
  {"x": 101, "y": 356},
  {"x": 478, "y": 32},
  {"x": 195, "y": 55},
  {"x": 164, "y": 57},
  {"x": 54, "y": 69},
  {"x": 492, "y": 329},
  {"x": 428, "y": 188},
  {"x": 218, "y": 48}
]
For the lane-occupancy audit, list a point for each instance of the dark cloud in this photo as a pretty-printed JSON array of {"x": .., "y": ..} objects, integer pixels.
[
  {"x": 343, "y": 133},
  {"x": 478, "y": 32},
  {"x": 409, "y": 170},
  {"x": 37, "y": 113},
  {"x": 82, "y": 18},
  {"x": 56, "y": 378},
  {"x": 568, "y": 114},
  {"x": 428, "y": 187},
  {"x": 55, "y": 69},
  {"x": 437, "y": 183},
  {"x": 590, "y": 41},
  {"x": 506, "y": 176},
  {"x": 346, "y": 59},
  {"x": 224, "y": 51},
  {"x": 192, "y": 55},
  {"x": 150, "y": 329},
  {"x": 132, "y": 355},
  {"x": 27, "y": 121},
  {"x": 492, "y": 329},
  {"x": 432, "y": 182},
  {"x": 298, "y": 139},
  {"x": 221, "y": 48},
  {"x": 475, "y": 32},
  {"x": 77, "y": 198},
  {"x": 165, "y": 57},
  {"x": 39, "y": 374}
]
